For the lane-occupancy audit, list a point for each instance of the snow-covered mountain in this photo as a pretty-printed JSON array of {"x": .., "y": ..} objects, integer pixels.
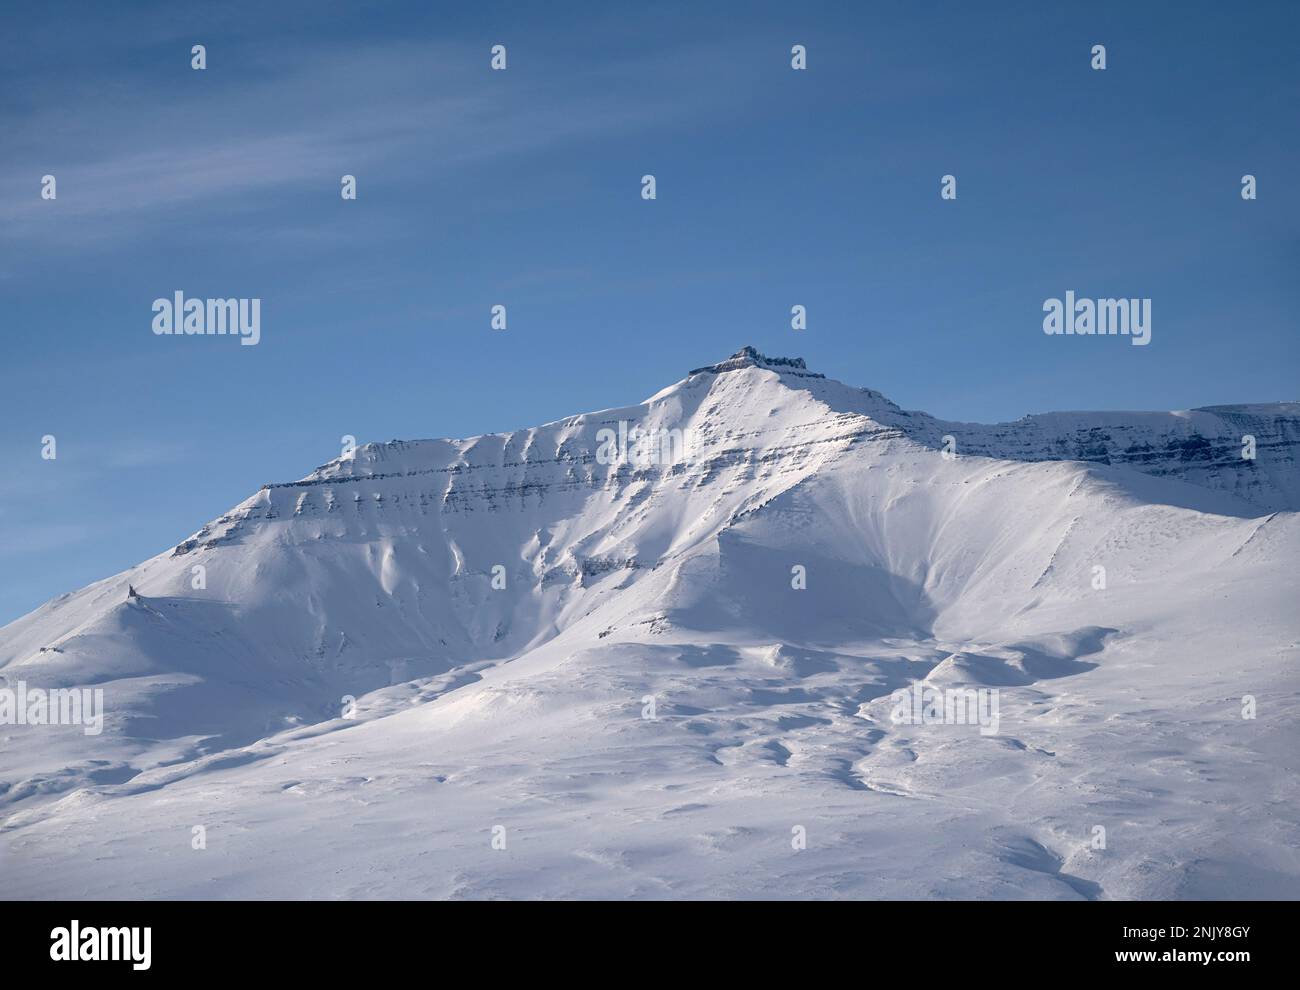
[{"x": 651, "y": 650}]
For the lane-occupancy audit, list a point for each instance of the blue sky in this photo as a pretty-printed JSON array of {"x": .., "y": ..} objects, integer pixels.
[{"x": 522, "y": 187}]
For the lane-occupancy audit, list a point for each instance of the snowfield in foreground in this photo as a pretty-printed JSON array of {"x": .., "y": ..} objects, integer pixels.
[{"x": 587, "y": 669}]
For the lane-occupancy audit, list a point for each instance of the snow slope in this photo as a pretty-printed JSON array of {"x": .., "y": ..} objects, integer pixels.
[{"x": 667, "y": 580}]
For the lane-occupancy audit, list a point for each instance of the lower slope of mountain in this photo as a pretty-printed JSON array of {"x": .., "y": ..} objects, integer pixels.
[{"x": 653, "y": 652}]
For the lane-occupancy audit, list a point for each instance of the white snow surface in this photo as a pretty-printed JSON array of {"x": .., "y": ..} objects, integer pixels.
[{"x": 518, "y": 712}]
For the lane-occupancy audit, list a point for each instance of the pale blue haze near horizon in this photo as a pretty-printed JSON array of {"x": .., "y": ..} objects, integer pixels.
[{"x": 522, "y": 187}]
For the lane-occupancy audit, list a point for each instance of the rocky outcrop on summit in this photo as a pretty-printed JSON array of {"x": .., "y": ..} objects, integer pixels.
[{"x": 748, "y": 357}]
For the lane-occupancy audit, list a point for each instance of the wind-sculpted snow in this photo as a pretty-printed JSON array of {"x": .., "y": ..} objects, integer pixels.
[{"x": 652, "y": 671}]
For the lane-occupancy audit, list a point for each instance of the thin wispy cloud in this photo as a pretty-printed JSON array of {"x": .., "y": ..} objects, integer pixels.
[{"x": 128, "y": 161}]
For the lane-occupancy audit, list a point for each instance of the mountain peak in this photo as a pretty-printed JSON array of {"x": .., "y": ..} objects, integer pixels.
[{"x": 750, "y": 357}]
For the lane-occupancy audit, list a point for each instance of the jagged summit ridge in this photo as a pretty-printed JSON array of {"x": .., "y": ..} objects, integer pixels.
[{"x": 751, "y": 357}]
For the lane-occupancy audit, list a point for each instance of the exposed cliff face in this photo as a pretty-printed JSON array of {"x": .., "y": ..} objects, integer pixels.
[
  {"x": 1203, "y": 447},
  {"x": 558, "y": 564}
]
